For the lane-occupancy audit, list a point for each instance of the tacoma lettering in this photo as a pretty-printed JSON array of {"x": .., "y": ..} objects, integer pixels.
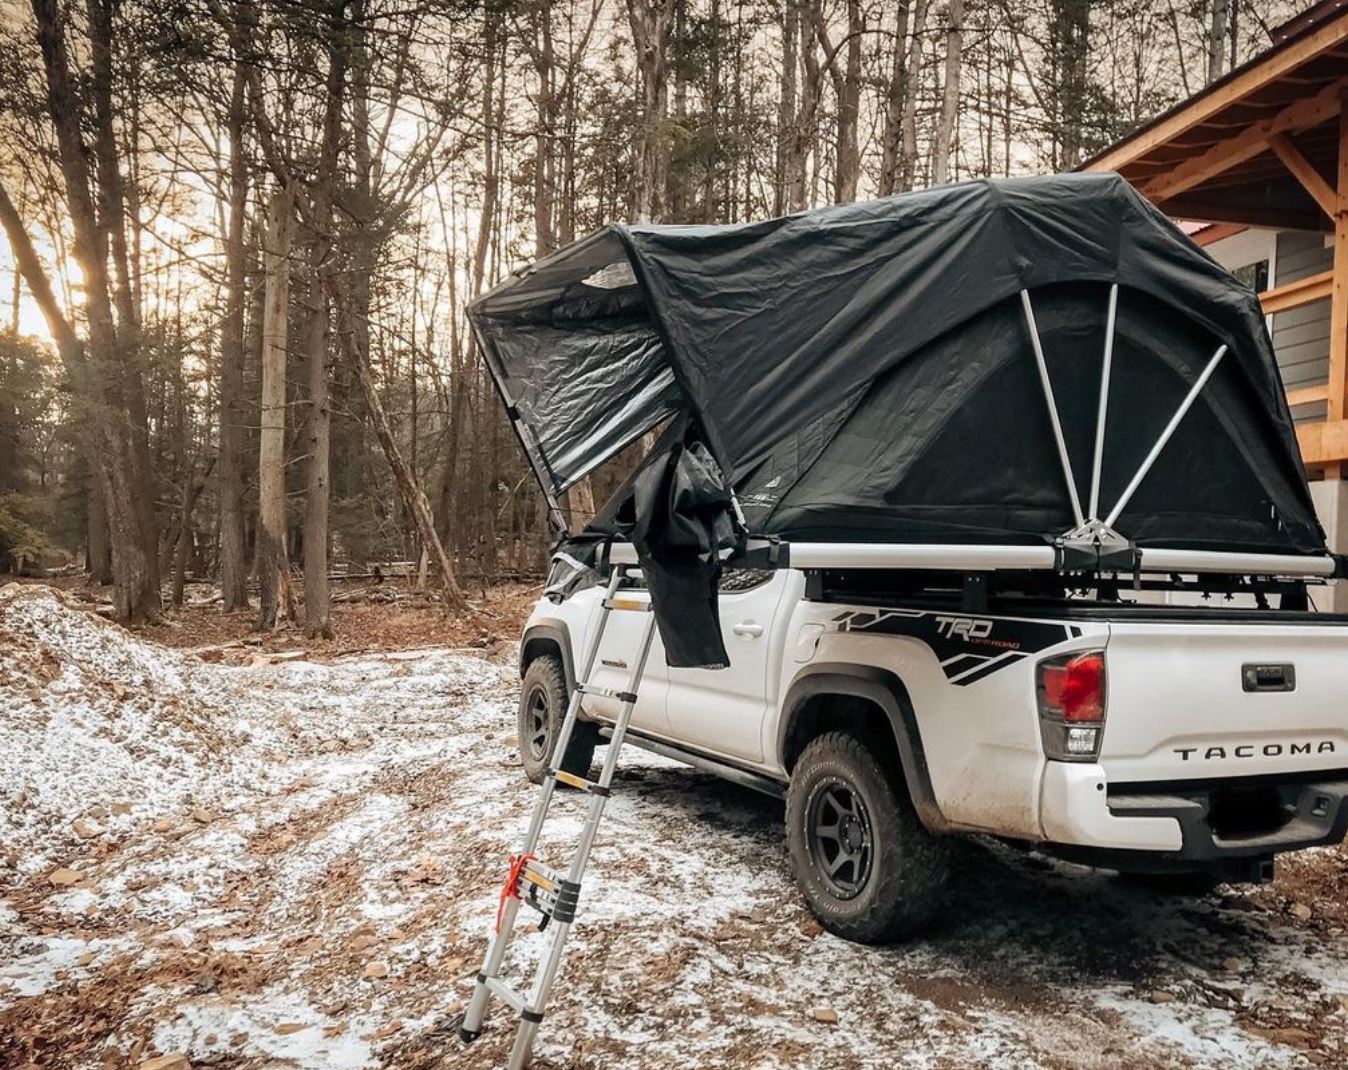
[{"x": 1246, "y": 750}]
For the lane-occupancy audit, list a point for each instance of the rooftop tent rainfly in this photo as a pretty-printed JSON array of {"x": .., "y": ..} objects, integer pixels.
[{"x": 928, "y": 369}]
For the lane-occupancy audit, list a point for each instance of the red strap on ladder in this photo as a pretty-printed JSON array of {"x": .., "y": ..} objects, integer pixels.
[{"x": 509, "y": 890}]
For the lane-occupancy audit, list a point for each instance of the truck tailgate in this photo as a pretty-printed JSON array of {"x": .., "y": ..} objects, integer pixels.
[{"x": 1194, "y": 700}]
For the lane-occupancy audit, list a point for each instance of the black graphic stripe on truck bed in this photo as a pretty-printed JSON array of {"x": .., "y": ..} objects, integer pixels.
[{"x": 969, "y": 648}]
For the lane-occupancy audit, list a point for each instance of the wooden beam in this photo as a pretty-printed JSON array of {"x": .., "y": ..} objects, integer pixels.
[
  {"x": 1307, "y": 395},
  {"x": 1296, "y": 294},
  {"x": 1324, "y": 443},
  {"x": 1250, "y": 142},
  {"x": 1305, "y": 173},
  {"x": 1278, "y": 61},
  {"x": 1215, "y": 232},
  {"x": 1338, "y": 298}
]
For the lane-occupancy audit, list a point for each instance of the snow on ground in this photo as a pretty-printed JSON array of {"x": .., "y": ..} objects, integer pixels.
[{"x": 294, "y": 865}]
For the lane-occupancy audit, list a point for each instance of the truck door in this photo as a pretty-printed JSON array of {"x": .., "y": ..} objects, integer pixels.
[
  {"x": 721, "y": 710},
  {"x": 613, "y": 667}
]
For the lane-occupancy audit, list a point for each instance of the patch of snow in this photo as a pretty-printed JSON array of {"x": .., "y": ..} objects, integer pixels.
[{"x": 248, "y": 1028}]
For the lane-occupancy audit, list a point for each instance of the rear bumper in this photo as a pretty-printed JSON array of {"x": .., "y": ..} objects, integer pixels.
[{"x": 1193, "y": 822}]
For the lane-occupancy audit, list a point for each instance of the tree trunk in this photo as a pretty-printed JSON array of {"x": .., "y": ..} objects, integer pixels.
[
  {"x": 1221, "y": 12},
  {"x": 233, "y": 415},
  {"x": 891, "y": 134},
  {"x": 99, "y": 558},
  {"x": 545, "y": 136},
  {"x": 950, "y": 93},
  {"x": 805, "y": 128},
  {"x": 191, "y": 492},
  {"x": 580, "y": 503},
  {"x": 103, "y": 372},
  {"x": 908, "y": 156},
  {"x": 113, "y": 223},
  {"x": 317, "y": 598},
  {"x": 272, "y": 563},
  {"x": 847, "y": 91},
  {"x": 786, "y": 109},
  {"x": 317, "y": 601},
  {"x": 650, "y": 22}
]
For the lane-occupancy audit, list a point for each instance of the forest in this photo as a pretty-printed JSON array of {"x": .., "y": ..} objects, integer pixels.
[{"x": 239, "y": 236}]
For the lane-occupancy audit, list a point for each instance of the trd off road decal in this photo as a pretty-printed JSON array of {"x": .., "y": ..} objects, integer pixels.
[{"x": 968, "y": 648}]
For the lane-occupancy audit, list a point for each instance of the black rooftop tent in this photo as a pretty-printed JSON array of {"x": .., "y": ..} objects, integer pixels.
[{"x": 924, "y": 368}]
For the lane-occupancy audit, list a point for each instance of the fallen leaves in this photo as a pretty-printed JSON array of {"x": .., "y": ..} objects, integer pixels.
[
  {"x": 174, "y": 1061},
  {"x": 375, "y": 971},
  {"x": 64, "y": 877}
]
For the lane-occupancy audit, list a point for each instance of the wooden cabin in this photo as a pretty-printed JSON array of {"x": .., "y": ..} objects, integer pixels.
[{"x": 1256, "y": 169}]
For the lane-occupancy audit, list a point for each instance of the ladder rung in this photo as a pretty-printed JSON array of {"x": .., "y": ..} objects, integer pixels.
[
  {"x": 580, "y": 783},
  {"x": 547, "y": 891},
  {"x": 506, "y": 993},
  {"x": 539, "y": 875},
  {"x": 632, "y": 604}
]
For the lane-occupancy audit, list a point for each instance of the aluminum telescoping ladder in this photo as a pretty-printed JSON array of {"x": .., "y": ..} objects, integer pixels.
[{"x": 541, "y": 887}]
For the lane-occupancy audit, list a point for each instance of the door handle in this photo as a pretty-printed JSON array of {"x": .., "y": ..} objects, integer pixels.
[{"x": 749, "y": 629}]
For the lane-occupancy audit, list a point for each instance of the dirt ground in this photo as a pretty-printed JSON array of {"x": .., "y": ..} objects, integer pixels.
[
  {"x": 249, "y": 862},
  {"x": 366, "y": 616}
]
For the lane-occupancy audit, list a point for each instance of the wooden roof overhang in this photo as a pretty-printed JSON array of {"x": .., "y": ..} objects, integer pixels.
[
  {"x": 1267, "y": 146},
  {"x": 1245, "y": 149}
]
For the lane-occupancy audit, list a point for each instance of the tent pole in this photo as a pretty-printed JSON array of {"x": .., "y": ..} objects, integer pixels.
[
  {"x": 1052, "y": 407},
  {"x": 1094, "y": 510},
  {"x": 1150, "y": 459}
]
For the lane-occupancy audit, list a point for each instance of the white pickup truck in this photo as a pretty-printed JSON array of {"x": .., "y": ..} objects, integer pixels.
[{"x": 1176, "y": 742}]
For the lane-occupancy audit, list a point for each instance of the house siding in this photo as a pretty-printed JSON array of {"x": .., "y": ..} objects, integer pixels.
[{"x": 1301, "y": 335}]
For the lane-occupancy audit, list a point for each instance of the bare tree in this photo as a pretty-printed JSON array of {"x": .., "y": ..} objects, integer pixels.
[
  {"x": 950, "y": 92},
  {"x": 1220, "y": 16},
  {"x": 846, "y": 79},
  {"x": 317, "y": 607},
  {"x": 233, "y": 559},
  {"x": 113, "y": 391},
  {"x": 650, "y": 22},
  {"x": 273, "y": 566}
]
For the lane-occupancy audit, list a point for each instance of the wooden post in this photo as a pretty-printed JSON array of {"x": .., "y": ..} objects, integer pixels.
[{"x": 1338, "y": 300}]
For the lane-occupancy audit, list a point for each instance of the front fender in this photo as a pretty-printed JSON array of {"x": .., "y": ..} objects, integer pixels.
[{"x": 552, "y": 632}]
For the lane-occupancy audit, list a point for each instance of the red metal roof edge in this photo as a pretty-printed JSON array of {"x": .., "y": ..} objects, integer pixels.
[{"x": 1312, "y": 16}]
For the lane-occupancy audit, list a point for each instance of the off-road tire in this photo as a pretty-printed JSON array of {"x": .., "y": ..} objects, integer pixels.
[
  {"x": 909, "y": 867},
  {"x": 544, "y": 683}
]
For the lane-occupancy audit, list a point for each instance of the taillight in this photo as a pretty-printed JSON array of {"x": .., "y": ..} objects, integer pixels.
[{"x": 1072, "y": 705}]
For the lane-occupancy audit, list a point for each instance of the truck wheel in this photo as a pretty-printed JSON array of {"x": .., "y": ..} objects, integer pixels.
[
  {"x": 543, "y": 699},
  {"x": 869, "y": 870}
]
